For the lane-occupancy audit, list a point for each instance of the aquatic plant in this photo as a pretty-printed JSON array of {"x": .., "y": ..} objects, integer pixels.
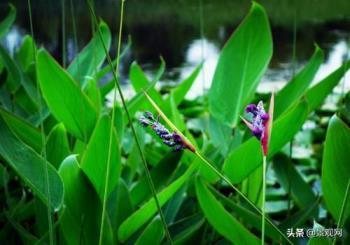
[{"x": 75, "y": 169}]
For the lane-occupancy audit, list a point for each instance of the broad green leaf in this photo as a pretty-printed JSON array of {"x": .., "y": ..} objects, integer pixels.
[
  {"x": 95, "y": 162},
  {"x": 181, "y": 90},
  {"x": 57, "y": 146},
  {"x": 291, "y": 181},
  {"x": 89, "y": 60},
  {"x": 248, "y": 216},
  {"x": 14, "y": 75},
  {"x": 64, "y": 98},
  {"x": 25, "y": 54},
  {"x": 81, "y": 219},
  {"x": 140, "y": 81},
  {"x": 119, "y": 205},
  {"x": 147, "y": 211},
  {"x": 160, "y": 174},
  {"x": 336, "y": 167},
  {"x": 221, "y": 220},
  {"x": 102, "y": 72},
  {"x": 153, "y": 233},
  {"x": 6, "y": 23},
  {"x": 31, "y": 168},
  {"x": 24, "y": 131},
  {"x": 248, "y": 156},
  {"x": 290, "y": 93},
  {"x": 241, "y": 64},
  {"x": 299, "y": 218},
  {"x": 92, "y": 91},
  {"x": 185, "y": 229},
  {"x": 321, "y": 90}
]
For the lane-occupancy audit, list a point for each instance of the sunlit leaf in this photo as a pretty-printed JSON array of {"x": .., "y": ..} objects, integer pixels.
[{"x": 241, "y": 64}]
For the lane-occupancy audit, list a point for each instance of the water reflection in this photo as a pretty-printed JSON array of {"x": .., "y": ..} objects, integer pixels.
[{"x": 171, "y": 28}]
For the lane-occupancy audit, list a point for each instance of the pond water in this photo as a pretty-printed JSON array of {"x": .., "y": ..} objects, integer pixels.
[{"x": 185, "y": 32}]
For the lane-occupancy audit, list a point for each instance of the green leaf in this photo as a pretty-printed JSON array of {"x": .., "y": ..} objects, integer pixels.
[
  {"x": 248, "y": 156},
  {"x": 64, "y": 98},
  {"x": 248, "y": 216},
  {"x": 57, "y": 146},
  {"x": 291, "y": 180},
  {"x": 24, "y": 131},
  {"x": 139, "y": 80},
  {"x": 186, "y": 228},
  {"x": 95, "y": 160},
  {"x": 221, "y": 220},
  {"x": 89, "y": 60},
  {"x": 31, "y": 167},
  {"x": 105, "y": 70},
  {"x": 336, "y": 167},
  {"x": 153, "y": 233},
  {"x": 160, "y": 174},
  {"x": 321, "y": 90},
  {"x": 119, "y": 205},
  {"x": 290, "y": 93},
  {"x": 92, "y": 91},
  {"x": 147, "y": 211},
  {"x": 300, "y": 217},
  {"x": 25, "y": 55},
  {"x": 6, "y": 23},
  {"x": 14, "y": 75},
  {"x": 181, "y": 90},
  {"x": 241, "y": 64},
  {"x": 80, "y": 223}
]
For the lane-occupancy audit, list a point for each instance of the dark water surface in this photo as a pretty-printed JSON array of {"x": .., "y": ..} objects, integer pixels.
[{"x": 184, "y": 32}]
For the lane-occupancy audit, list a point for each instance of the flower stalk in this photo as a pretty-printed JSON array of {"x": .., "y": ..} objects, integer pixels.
[{"x": 261, "y": 126}]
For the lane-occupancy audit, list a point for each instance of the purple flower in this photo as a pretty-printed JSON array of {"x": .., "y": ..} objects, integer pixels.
[
  {"x": 259, "y": 119},
  {"x": 173, "y": 140},
  {"x": 260, "y": 123}
]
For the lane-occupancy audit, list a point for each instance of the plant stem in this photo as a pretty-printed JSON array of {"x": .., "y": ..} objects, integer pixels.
[
  {"x": 63, "y": 12},
  {"x": 242, "y": 195},
  {"x": 343, "y": 206},
  {"x": 263, "y": 201},
  {"x": 114, "y": 72},
  {"x": 42, "y": 132}
]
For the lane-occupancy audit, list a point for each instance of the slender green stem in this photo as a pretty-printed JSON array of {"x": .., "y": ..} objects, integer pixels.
[
  {"x": 42, "y": 131},
  {"x": 64, "y": 57},
  {"x": 114, "y": 72},
  {"x": 111, "y": 128},
  {"x": 241, "y": 195},
  {"x": 72, "y": 12},
  {"x": 201, "y": 26},
  {"x": 263, "y": 201},
  {"x": 343, "y": 208}
]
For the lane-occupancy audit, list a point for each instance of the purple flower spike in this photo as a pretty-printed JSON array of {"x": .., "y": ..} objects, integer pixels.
[
  {"x": 260, "y": 124},
  {"x": 173, "y": 140},
  {"x": 259, "y": 120},
  {"x": 251, "y": 109}
]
